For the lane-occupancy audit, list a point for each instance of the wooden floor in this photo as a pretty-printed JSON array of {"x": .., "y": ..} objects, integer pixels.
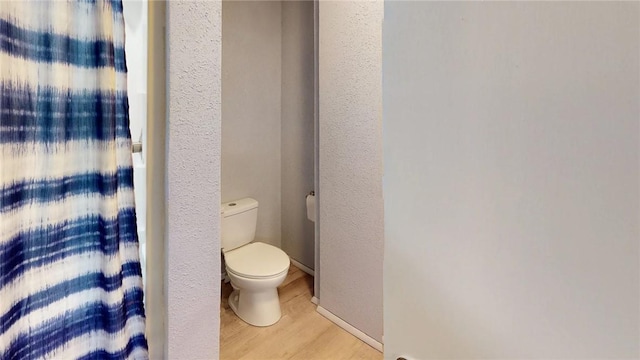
[{"x": 301, "y": 333}]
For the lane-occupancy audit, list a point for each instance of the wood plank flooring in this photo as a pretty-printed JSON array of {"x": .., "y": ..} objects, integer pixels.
[{"x": 301, "y": 333}]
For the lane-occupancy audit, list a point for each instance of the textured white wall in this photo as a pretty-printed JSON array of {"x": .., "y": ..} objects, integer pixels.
[
  {"x": 298, "y": 238},
  {"x": 511, "y": 142},
  {"x": 193, "y": 179},
  {"x": 251, "y": 94},
  {"x": 350, "y": 171}
]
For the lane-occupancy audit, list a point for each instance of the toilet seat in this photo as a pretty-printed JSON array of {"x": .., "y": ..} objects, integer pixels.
[{"x": 257, "y": 261}]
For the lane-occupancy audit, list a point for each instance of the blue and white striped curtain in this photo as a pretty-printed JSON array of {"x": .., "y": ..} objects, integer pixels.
[{"x": 70, "y": 280}]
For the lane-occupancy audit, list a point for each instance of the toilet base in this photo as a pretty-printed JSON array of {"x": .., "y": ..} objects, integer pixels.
[{"x": 257, "y": 308}]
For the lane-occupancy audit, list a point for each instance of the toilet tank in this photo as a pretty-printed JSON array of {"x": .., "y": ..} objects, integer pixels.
[{"x": 239, "y": 219}]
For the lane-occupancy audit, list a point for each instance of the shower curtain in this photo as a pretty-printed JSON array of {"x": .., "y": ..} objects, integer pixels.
[{"x": 70, "y": 279}]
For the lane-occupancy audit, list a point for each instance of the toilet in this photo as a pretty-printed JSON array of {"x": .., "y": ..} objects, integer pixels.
[{"x": 255, "y": 269}]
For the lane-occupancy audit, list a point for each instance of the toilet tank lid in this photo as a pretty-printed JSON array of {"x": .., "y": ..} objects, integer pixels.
[{"x": 238, "y": 206}]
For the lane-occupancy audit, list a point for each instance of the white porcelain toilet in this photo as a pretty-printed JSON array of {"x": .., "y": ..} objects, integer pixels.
[{"x": 256, "y": 269}]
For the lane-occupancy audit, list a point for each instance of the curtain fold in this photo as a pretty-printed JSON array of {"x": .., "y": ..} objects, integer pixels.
[{"x": 70, "y": 277}]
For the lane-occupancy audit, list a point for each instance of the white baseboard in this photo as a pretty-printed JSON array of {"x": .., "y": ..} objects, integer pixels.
[
  {"x": 302, "y": 267},
  {"x": 314, "y": 300},
  {"x": 350, "y": 329}
]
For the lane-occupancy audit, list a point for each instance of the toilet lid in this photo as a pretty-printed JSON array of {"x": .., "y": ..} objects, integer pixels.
[{"x": 256, "y": 260}]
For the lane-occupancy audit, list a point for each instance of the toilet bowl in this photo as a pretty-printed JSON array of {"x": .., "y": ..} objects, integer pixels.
[{"x": 255, "y": 269}]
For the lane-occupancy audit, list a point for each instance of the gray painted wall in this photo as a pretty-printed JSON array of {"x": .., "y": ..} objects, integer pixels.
[
  {"x": 350, "y": 171},
  {"x": 193, "y": 173},
  {"x": 251, "y": 111},
  {"x": 297, "y": 129},
  {"x": 155, "y": 291},
  {"x": 512, "y": 180}
]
